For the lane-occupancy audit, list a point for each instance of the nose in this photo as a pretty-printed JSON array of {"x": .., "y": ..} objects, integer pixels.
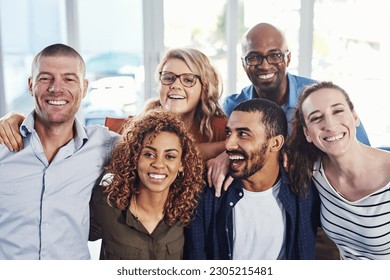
[
  {"x": 176, "y": 83},
  {"x": 330, "y": 123},
  {"x": 55, "y": 86},
  {"x": 231, "y": 143},
  {"x": 158, "y": 163},
  {"x": 263, "y": 64}
]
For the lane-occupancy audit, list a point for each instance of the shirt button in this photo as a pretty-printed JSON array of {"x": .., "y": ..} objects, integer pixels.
[
  {"x": 240, "y": 194},
  {"x": 231, "y": 203}
]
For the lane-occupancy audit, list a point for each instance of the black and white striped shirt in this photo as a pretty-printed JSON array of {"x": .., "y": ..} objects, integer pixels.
[{"x": 360, "y": 229}]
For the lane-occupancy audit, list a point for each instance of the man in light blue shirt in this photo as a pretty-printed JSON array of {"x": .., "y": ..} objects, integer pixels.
[
  {"x": 265, "y": 60},
  {"x": 46, "y": 187}
]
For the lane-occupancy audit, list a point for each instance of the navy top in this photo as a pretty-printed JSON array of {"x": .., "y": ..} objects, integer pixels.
[{"x": 210, "y": 234}]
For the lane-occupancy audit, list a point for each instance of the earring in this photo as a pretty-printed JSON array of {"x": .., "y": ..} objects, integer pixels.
[{"x": 180, "y": 174}]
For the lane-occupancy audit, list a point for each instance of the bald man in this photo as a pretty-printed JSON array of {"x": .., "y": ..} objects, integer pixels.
[{"x": 265, "y": 58}]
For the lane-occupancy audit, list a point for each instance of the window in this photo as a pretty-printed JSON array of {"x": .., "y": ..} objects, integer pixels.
[
  {"x": 355, "y": 56},
  {"x": 35, "y": 29}
]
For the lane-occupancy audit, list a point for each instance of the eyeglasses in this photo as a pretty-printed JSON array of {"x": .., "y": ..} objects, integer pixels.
[
  {"x": 186, "y": 79},
  {"x": 257, "y": 59}
]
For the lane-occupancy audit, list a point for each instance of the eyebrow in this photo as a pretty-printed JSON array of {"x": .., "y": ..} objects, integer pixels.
[
  {"x": 239, "y": 129},
  {"x": 167, "y": 150},
  {"x": 332, "y": 106},
  {"x": 49, "y": 73}
]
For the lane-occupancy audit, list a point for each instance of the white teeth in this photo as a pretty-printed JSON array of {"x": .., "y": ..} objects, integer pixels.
[
  {"x": 57, "y": 102},
  {"x": 334, "y": 138},
  {"x": 176, "y": 96},
  {"x": 158, "y": 176},
  {"x": 264, "y": 77},
  {"x": 236, "y": 157}
]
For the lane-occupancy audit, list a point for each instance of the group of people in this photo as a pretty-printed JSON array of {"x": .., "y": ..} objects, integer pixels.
[{"x": 284, "y": 157}]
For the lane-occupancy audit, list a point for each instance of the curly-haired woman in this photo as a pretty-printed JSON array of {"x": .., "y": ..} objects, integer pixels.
[{"x": 149, "y": 190}]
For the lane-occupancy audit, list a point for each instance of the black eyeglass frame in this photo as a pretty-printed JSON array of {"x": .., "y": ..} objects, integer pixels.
[
  {"x": 260, "y": 58},
  {"x": 196, "y": 77}
]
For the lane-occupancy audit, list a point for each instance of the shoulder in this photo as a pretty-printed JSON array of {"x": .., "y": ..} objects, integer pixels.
[
  {"x": 246, "y": 93},
  {"x": 101, "y": 133},
  {"x": 233, "y": 99},
  {"x": 115, "y": 124},
  {"x": 218, "y": 123},
  {"x": 98, "y": 195},
  {"x": 300, "y": 79}
]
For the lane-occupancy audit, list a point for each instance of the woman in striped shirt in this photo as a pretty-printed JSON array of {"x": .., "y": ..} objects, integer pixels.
[{"x": 353, "y": 179}]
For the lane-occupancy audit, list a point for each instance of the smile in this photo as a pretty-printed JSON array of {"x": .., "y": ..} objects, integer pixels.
[
  {"x": 334, "y": 138},
  {"x": 157, "y": 176},
  {"x": 236, "y": 157},
  {"x": 268, "y": 76},
  {"x": 175, "y": 96},
  {"x": 57, "y": 102}
]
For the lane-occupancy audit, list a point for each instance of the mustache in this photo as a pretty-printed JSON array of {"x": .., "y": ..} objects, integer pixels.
[{"x": 237, "y": 152}]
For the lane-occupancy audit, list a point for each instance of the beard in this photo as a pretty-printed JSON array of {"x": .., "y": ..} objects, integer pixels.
[{"x": 257, "y": 159}]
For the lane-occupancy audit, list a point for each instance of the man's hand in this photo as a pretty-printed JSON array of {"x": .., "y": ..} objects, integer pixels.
[
  {"x": 9, "y": 131},
  {"x": 217, "y": 173},
  {"x": 285, "y": 160}
]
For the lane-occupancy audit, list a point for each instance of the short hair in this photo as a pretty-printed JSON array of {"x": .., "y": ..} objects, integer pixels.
[
  {"x": 274, "y": 118},
  {"x": 60, "y": 50}
]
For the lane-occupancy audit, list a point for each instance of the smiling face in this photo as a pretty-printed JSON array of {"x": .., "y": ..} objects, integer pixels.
[
  {"x": 58, "y": 86},
  {"x": 176, "y": 97},
  {"x": 330, "y": 123},
  {"x": 159, "y": 162},
  {"x": 246, "y": 144},
  {"x": 268, "y": 79}
]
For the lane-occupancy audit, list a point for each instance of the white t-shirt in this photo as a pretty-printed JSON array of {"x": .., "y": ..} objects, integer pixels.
[{"x": 259, "y": 226}]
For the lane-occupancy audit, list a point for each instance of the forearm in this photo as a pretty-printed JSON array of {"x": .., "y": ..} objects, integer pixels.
[{"x": 211, "y": 150}]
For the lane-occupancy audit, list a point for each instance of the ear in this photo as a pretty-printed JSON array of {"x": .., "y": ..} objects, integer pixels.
[
  {"x": 85, "y": 87},
  {"x": 288, "y": 59},
  {"x": 307, "y": 135},
  {"x": 243, "y": 64},
  {"x": 356, "y": 118},
  {"x": 30, "y": 86},
  {"x": 181, "y": 168},
  {"x": 276, "y": 143}
]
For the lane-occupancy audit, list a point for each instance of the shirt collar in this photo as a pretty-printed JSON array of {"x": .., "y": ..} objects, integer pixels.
[
  {"x": 293, "y": 94},
  {"x": 80, "y": 137}
]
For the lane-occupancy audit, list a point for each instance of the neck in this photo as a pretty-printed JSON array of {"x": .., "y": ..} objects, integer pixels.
[
  {"x": 350, "y": 162},
  {"x": 278, "y": 95},
  {"x": 53, "y": 137},
  {"x": 263, "y": 179},
  {"x": 149, "y": 205}
]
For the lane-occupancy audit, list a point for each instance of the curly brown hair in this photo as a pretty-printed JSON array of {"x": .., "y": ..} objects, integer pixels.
[{"x": 184, "y": 191}]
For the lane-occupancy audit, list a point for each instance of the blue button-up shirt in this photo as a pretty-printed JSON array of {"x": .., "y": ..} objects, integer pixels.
[
  {"x": 44, "y": 208},
  {"x": 295, "y": 87}
]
